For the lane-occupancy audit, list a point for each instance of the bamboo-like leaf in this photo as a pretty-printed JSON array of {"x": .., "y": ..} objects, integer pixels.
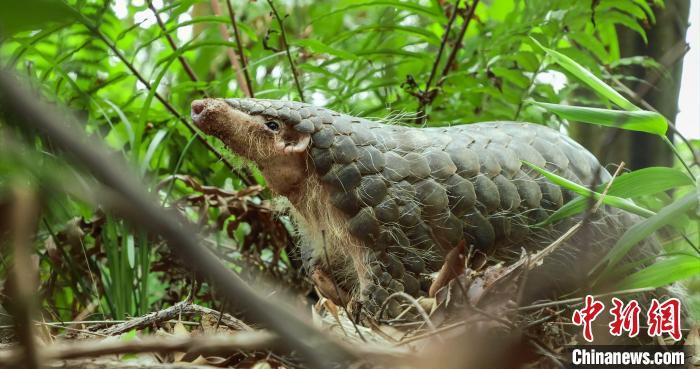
[
  {"x": 405, "y": 5},
  {"x": 664, "y": 272},
  {"x": 644, "y": 229},
  {"x": 615, "y": 201},
  {"x": 152, "y": 147},
  {"x": 638, "y": 120},
  {"x": 588, "y": 78},
  {"x": 646, "y": 181},
  {"x": 25, "y": 15},
  {"x": 320, "y": 47}
]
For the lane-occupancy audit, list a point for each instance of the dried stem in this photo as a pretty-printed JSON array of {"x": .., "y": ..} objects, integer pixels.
[
  {"x": 412, "y": 300},
  {"x": 580, "y": 299},
  {"x": 203, "y": 345},
  {"x": 173, "y": 312},
  {"x": 286, "y": 49},
  {"x": 24, "y": 216},
  {"x": 235, "y": 64},
  {"x": 128, "y": 197}
]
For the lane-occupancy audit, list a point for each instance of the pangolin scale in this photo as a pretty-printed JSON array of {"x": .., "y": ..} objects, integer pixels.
[{"x": 408, "y": 195}]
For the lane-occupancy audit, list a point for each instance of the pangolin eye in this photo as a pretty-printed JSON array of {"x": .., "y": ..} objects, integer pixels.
[{"x": 273, "y": 126}]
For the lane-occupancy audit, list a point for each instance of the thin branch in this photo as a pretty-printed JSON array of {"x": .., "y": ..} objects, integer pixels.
[
  {"x": 427, "y": 96},
  {"x": 239, "y": 45},
  {"x": 443, "y": 43},
  {"x": 173, "y": 312},
  {"x": 636, "y": 98},
  {"x": 539, "y": 256},
  {"x": 129, "y": 198},
  {"x": 580, "y": 299},
  {"x": 411, "y": 300},
  {"x": 244, "y": 174},
  {"x": 423, "y": 96},
  {"x": 127, "y": 364},
  {"x": 458, "y": 45},
  {"x": 283, "y": 34},
  {"x": 235, "y": 64},
  {"x": 673, "y": 55},
  {"x": 185, "y": 65}
]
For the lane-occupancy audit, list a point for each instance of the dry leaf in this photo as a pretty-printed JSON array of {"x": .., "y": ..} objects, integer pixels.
[{"x": 454, "y": 265}]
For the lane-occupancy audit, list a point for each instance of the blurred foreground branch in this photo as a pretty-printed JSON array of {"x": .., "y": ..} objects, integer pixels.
[
  {"x": 130, "y": 200},
  {"x": 201, "y": 345}
]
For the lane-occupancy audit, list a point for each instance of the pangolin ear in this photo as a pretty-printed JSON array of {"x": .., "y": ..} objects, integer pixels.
[
  {"x": 299, "y": 146},
  {"x": 295, "y": 143}
]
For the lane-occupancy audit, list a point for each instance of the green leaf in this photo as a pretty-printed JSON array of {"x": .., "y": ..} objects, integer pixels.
[
  {"x": 17, "y": 16},
  {"x": 638, "y": 120},
  {"x": 587, "y": 77},
  {"x": 664, "y": 272},
  {"x": 152, "y": 147},
  {"x": 126, "y": 126},
  {"x": 625, "y": 20},
  {"x": 407, "y": 5},
  {"x": 643, "y": 229},
  {"x": 615, "y": 201},
  {"x": 320, "y": 47},
  {"x": 642, "y": 182},
  {"x": 130, "y": 251}
]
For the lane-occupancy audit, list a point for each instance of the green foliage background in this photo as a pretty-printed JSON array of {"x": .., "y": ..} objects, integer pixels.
[{"x": 368, "y": 58}]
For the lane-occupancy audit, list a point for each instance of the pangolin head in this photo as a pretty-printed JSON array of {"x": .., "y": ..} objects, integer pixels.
[{"x": 254, "y": 128}]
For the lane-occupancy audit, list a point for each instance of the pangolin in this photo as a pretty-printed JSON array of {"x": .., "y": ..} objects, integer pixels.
[{"x": 387, "y": 202}]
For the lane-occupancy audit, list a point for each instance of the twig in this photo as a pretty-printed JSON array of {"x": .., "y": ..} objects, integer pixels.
[
  {"x": 580, "y": 299},
  {"x": 203, "y": 345},
  {"x": 427, "y": 96},
  {"x": 129, "y": 198},
  {"x": 423, "y": 96},
  {"x": 640, "y": 100},
  {"x": 570, "y": 232},
  {"x": 415, "y": 304},
  {"x": 283, "y": 34},
  {"x": 675, "y": 53},
  {"x": 239, "y": 45},
  {"x": 125, "y": 364},
  {"x": 23, "y": 221},
  {"x": 244, "y": 174},
  {"x": 235, "y": 64},
  {"x": 453, "y": 53},
  {"x": 173, "y": 312},
  {"x": 546, "y": 352},
  {"x": 185, "y": 65},
  {"x": 595, "y": 207},
  {"x": 443, "y": 43}
]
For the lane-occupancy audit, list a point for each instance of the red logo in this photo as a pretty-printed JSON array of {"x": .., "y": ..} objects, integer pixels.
[
  {"x": 662, "y": 317},
  {"x": 587, "y": 315},
  {"x": 665, "y": 318},
  {"x": 626, "y": 318}
]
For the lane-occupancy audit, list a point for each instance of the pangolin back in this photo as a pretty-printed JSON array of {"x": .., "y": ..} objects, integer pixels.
[{"x": 412, "y": 194}]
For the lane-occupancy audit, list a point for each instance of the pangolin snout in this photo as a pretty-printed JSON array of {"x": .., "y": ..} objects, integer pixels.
[
  {"x": 208, "y": 114},
  {"x": 198, "y": 111}
]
